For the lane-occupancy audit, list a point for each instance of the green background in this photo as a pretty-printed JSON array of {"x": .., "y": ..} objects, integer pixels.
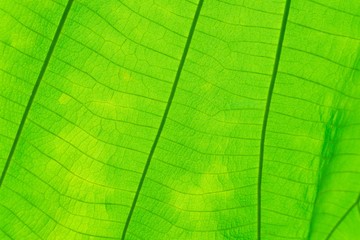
[{"x": 99, "y": 116}]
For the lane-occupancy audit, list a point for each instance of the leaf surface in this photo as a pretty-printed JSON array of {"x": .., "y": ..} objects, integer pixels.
[{"x": 209, "y": 119}]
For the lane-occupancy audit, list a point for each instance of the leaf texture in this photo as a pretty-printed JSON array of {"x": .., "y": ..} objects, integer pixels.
[{"x": 209, "y": 119}]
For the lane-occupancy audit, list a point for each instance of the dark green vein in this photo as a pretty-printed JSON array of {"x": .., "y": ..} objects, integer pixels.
[
  {"x": 267, "y": 110},
  {"x": 166, "y": 112},
  {"x": 35, "y": 89},
  {"x": 343, "y": 217}
]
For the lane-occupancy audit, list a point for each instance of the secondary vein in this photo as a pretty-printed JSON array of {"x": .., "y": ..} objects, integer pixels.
[
  {"x": 343, "y": 217},
  {"x": 267, "y": 110},
  {"x": 166, "y": 112},
  {"x": 35, "y": 89}
]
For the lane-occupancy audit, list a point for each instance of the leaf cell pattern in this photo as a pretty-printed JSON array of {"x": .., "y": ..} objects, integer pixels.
[{"x": 189, "y": 119}]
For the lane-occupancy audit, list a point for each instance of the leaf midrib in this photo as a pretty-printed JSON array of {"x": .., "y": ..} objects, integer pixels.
[
  {"x": 166, "y": 112},
  {"x": 35, "y": 89},
  {"x": 267, "y": 111}
]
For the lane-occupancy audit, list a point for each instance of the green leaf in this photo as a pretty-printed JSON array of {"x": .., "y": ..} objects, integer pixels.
[{"x": 188, "y": 119}]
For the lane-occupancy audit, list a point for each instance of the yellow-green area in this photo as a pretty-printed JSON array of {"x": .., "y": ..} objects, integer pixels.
[{"x": 156, "y": 119}]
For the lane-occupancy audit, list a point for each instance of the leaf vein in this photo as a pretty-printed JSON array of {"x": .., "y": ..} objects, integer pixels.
[
  {"x": 35, "y": 89},
  {"x": 177, "y": 77}
]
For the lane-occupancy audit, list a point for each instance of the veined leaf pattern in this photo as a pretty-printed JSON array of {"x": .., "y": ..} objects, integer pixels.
[{"x": 189, "y": 119}]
